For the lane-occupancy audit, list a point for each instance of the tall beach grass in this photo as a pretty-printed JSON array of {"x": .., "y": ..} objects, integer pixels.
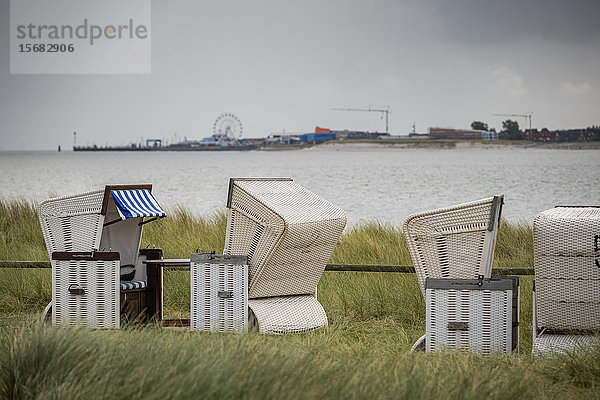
[
  {"x": 364, "y": 352},
  {"x": 20, "y": 233},
  {"x": 42, "y": 362},
  {"x": 362, "y": 360},
  {"x": 182, "y": 233}
]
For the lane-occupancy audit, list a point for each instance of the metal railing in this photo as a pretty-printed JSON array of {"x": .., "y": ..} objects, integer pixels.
[{"x": 330, "y": 267}]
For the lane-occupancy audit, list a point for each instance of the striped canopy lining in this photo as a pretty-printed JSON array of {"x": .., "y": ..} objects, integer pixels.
[
  {"x": 128, "y": 285},
  {"x": 136, "y": 203}
]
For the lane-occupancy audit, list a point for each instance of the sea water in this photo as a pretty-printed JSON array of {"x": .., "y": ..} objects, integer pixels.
[{"x": 368, "y": 184}]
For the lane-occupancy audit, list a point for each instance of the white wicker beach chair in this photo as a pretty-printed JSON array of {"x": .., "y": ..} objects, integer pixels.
[
  {"x": 89, "y": 238},
  {"x": 454, "y": 243},
  {"x": 288, "y": 234},
  {"x": 566, "y": 311}
]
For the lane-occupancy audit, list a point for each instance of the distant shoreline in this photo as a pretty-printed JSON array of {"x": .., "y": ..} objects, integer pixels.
[{"x": 387, "y": 145}]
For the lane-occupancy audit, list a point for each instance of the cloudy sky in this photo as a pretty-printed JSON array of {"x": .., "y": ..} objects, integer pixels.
[{"x": 282, "y": 65}]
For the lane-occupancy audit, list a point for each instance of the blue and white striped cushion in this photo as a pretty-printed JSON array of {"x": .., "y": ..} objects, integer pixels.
[{"x": 127, "y": 285}]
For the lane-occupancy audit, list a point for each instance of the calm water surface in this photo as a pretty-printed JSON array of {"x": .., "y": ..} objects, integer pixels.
[{"x": 369, "y": 185}]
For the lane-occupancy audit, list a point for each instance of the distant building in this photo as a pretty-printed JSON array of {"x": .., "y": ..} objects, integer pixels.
[
  {"x": 414, "y": 135},
  {"x": 545, "y": 135},
  {"x": 489, "y": 135},
  {"x": 316, "y": 137},
  {"x": 277, "y": 139},
  {"x": 462, "y": 134},
  {"x": 322, "y": 130},
  {"x": 324, "y": 134},
  {"x": 358, "y": 135}
]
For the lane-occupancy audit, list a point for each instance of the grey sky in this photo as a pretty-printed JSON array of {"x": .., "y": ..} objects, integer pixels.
[{"x": 283, "y": 65}]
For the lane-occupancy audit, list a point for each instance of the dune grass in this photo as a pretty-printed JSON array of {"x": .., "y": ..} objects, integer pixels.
[
  {"x": 20, "y": 233},
  {"x": 364, "y": 353},
  {"x": 42, "y": 362},
  {"x": 181, "y": 233},
  {"x": 514, "y": 245}
]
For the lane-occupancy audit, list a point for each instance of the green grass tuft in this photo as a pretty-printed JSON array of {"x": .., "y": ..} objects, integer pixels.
[
  {"x": 20, "y": 233},
  {"x": 182, "y": 233},
  {"x": 374, "y": 318},
  {"x": 340, "y": 361}
]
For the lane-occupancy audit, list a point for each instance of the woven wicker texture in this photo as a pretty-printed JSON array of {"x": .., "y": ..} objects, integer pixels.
[
  {"x": 208, "y": 311},
  {"x": 288, "y": 314},
  {"x": 452, "y": 242},
  {"x": 72, "y": 223},
  {"x": 98, "y": 305},
  {"x": 548, "y": 344},
  {"x": 488, "y": 314},
  {"x": 567, "y": 268},
  {"x": 287, "y": 231},
  {"x": 75, "y": 224}
]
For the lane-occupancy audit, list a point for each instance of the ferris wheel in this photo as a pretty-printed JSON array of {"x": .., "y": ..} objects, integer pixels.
[{"x": 228, "y": 126}]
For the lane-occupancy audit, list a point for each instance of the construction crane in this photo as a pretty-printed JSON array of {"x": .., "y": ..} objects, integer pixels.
[
  {"x": 385, "y": 111},
  {"x": 526, "y": 116}
]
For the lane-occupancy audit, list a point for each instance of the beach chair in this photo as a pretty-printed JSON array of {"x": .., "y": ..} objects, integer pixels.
[
  {"x": 288, "y": 234},
  {"x": 566, "y": 296},
  {"x": 93, "y": 241},
  {"x": 456, "y": 244}
]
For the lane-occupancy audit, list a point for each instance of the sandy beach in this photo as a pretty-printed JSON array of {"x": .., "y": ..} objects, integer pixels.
[{"x": 448, "y": 145}]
